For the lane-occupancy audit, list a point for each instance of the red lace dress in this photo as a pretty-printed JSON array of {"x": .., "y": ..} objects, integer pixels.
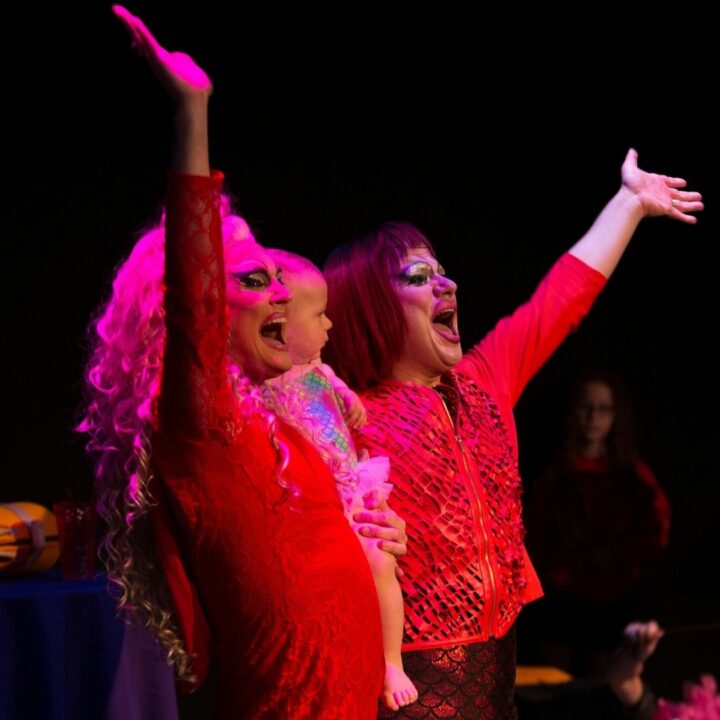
[
  {"x": 454, "y": 467},
  {"x": 293, "y": 619}
]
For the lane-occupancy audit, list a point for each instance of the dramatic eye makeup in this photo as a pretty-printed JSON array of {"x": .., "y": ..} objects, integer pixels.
[
  {"x": 253, "y": 279},
  {"x": 419, "y": 273}
]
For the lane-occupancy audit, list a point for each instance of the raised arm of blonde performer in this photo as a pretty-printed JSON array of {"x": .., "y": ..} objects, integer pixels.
[{"x": 189, "y": 87}]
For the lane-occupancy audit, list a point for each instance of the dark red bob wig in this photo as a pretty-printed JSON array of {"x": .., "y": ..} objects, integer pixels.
[{"x": 369, "y": 327}]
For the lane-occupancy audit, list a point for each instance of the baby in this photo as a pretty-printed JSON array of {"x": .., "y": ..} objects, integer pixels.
[{"x": 321, "y": 406}]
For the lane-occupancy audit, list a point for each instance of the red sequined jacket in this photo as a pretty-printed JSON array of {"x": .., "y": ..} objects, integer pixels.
[{"x": 454, "y": 465}]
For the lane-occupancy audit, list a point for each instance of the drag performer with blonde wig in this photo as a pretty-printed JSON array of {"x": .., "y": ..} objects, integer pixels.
[{"x": 225, "y": 533}]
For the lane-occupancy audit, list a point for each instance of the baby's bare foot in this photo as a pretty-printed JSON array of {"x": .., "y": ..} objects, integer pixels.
[{"x": 398, "y": 690}]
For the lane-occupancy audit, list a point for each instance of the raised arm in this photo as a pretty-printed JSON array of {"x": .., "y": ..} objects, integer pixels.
[
  {"x": 641, "y": 194},
  {"x": 189, "y": 88},
  {"x": 521, "y": 343},
  {"x": 194, "y": 396}
]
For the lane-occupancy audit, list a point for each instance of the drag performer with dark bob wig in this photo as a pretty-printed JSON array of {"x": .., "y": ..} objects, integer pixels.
[{"x": 446, "y": 422}]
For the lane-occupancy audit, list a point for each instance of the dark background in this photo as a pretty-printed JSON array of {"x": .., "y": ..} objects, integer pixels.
[{"x": 500, "y": 134}]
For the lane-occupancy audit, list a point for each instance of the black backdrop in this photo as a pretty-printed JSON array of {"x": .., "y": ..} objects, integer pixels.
[{"x": 499, "y": 133}]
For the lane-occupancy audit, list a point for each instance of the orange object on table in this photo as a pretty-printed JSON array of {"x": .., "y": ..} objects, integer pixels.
[
  {"x": 540, "y": 675},
  {"x": 28, "y": 538}
]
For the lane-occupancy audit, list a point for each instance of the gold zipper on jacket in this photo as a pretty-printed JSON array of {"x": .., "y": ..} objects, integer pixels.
[{"x": 480, "y": 512}]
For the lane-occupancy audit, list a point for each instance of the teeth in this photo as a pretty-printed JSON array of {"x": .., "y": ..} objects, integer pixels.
[
  {"x": 274, "y": 329},
  {"x": 445, "y": 318}
]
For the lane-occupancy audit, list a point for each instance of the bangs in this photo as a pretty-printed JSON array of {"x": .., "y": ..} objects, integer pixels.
[{"x": 398, "y": 238}]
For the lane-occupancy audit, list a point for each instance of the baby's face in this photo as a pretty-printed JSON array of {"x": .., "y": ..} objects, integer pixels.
[{"x": 307, "y": 323}]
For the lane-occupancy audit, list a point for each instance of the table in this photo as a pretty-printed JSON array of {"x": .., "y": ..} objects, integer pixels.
[{"x": 65, "y": 655}]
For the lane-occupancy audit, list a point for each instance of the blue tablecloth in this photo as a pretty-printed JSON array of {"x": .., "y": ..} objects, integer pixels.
[{"x": 65, "y": 655}]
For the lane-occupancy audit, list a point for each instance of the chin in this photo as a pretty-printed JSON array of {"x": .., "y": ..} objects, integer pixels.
[
  {"x": 450, "y": 359},
  {"x": 257, "y": 374},
  {"x": 283, "y": 366}
]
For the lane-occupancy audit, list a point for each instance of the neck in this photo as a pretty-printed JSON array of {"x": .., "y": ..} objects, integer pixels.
[
  {"x": 406, "y": 373},
  {"x": 593, "y": 449}
]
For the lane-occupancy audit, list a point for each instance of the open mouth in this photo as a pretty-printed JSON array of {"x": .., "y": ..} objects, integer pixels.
[
  {"x": 445, "y": 324},
  {"x": 273, "y": 332}
]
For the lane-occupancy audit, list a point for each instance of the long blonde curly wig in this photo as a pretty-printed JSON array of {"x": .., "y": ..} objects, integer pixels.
[{"x": 122, "y": 384}]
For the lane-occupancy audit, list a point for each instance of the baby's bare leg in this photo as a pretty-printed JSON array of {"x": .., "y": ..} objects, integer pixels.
[{"x": 398, "y": 689}]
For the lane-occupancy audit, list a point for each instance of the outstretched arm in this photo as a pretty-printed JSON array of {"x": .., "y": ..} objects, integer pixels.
[
  {"x": 191, "y": 400},
  {"x": 189, "y": 88},
  {"x": 641, "y": 194},
  {"x": 521, "y": 343}
]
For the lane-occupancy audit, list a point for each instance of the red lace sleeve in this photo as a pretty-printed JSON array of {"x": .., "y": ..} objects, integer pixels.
[{"x": 195, "y": 397}]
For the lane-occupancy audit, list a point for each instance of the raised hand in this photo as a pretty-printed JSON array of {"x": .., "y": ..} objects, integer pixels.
[
  {"x": 188, "y": 85},
  {"x": 660, "y": 194},
  {"x": 625, "y": 672},
  {"x": 183, "y": 78},
  {"x": 640, "y": 640}
]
